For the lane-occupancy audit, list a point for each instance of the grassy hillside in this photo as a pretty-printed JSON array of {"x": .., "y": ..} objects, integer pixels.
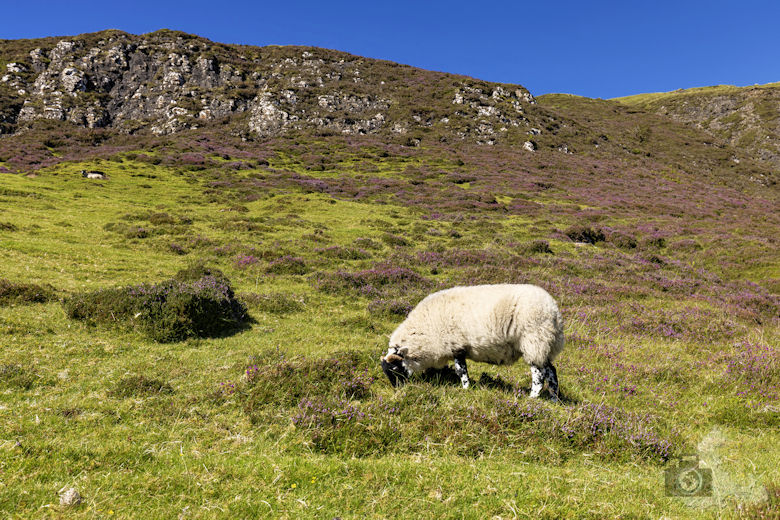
[
  {"x": 671, "y": 321},
  {"x": 748, "y": 118}
]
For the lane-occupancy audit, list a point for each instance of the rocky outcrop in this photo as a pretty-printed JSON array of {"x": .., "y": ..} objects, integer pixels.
[{"x": 165, "y": 82}]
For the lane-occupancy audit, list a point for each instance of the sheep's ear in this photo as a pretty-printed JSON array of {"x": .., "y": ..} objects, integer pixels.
[
  {"x": 390, "y": 358},
  {"x": 403, "y": 351}
]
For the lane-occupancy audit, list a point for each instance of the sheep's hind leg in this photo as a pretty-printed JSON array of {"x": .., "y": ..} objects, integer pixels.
[
  {"x": 537, "y": 381},
  {"x": 551, "y": 376},
  {"x": 460, "y": 369}
]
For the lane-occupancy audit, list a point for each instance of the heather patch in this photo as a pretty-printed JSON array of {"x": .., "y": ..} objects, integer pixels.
[
  {"x": 24, "y": 293},
  {"x": 754, "y": 368},
  {"x": 392, "y": 307},
  {"x": 197, "y": 302},
  {"x": 381, "y": 281},
  {"x": 333, "y": 405}
]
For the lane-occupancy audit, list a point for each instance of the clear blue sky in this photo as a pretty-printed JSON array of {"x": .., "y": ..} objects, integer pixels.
[{"x": 588, "y": 47}]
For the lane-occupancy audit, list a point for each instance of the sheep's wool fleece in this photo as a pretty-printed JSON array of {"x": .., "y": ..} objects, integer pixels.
[{"x": 495, "y": 324}]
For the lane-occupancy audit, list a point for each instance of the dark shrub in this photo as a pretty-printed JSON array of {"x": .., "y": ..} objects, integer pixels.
[
  {"x": 177, "y": 249},
  {"x": 585, "y": 234},
  {"x": 7, "y": 226},
  {"x": 622, "y": 241},
  {"x": 288, "y": 265},
  {"x": 653, "y": 243},
  {"x": 11, "y": 292},
  {"x": 197, "y": 302},
  {"x": 537, "y": 247},
  {"x": 140, "y": 385}
]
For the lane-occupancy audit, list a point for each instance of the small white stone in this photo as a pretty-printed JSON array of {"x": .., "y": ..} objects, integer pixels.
[{"x": 69, "y": 497}]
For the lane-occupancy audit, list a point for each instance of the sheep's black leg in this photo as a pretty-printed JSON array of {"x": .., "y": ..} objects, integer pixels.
[
  {"x": 460, "y": 369},
  {"x": 551, "y": 376},
  {"x": 537, "y": 381}
]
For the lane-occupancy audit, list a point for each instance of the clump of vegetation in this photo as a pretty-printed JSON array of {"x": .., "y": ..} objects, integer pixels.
[
  {"x": 381, "y": 281},
  {"x": 198, "y": 301},
  {"x": 17, "y": 377},
  {"x": 391, "y": 307},
  {"x": 622, "y": 241},
  {"x": 21, "y": 293},
  {"x": 332, "y": 404},
  {"x": 367, "y": 243},
  {"x": 585, "y": 234},
  {"x": 653, "y": 242},
  {"x": 274, "y": 303},
  {"x": 537, "y": 247},
  {"x": 394, "y": 240},
  {"x": 288, "y": 265},
  {"x": 140, "y": 385},
  {"x": 275, "y": 380},
  {"x": 344, "y": 253}
]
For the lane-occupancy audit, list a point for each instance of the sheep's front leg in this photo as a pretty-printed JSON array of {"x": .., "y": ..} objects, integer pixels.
[
  {"x": 537, "y": 381},
  {"x": 551, "y": 376},
  {"x": 460, "y": 369}
]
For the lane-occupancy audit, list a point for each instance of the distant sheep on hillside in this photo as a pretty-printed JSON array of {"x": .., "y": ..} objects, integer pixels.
[
  {"x": 93, "y": 174},
  {"x": 495, "y": 324}
]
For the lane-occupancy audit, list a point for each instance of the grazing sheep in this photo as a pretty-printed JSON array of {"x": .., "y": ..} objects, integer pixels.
[
  {"x": 495, "y": 324},
  {"x": 93, "y": 174}
]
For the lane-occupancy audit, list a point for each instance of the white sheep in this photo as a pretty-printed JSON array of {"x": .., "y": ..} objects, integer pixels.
[
  {"x": 495, "y": 324},
  {"x": 93, "y": 174}
]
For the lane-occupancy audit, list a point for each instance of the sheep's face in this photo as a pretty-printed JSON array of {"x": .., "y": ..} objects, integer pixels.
[{"x": 394, "y": 368}]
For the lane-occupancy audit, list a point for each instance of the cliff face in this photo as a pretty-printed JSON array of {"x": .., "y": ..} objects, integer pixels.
[
  {"x": 167, "y": 81},
  {"x": 746, "y": 117}
]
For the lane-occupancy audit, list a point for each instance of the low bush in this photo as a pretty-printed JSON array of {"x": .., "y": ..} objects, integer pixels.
[
  {"x": 196, "y": 302},
  {"x": 17, "y": 377},
  {"x": 622, "y": 241},
  {"x": 585, "y": 234},
  {"x": 288, "y": 265},
  {"x": 16, "y": 293},
  {"x": 537, "y": 247}
]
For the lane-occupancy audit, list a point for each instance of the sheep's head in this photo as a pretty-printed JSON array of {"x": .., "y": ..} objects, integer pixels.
[{"x": 394, "y": 368}]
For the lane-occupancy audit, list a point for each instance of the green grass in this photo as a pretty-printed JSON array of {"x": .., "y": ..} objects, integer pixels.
[{"x": 144, "y": 429}]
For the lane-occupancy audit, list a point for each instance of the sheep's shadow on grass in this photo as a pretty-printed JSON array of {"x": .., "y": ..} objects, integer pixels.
[{"x": 448, "y": 377}]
